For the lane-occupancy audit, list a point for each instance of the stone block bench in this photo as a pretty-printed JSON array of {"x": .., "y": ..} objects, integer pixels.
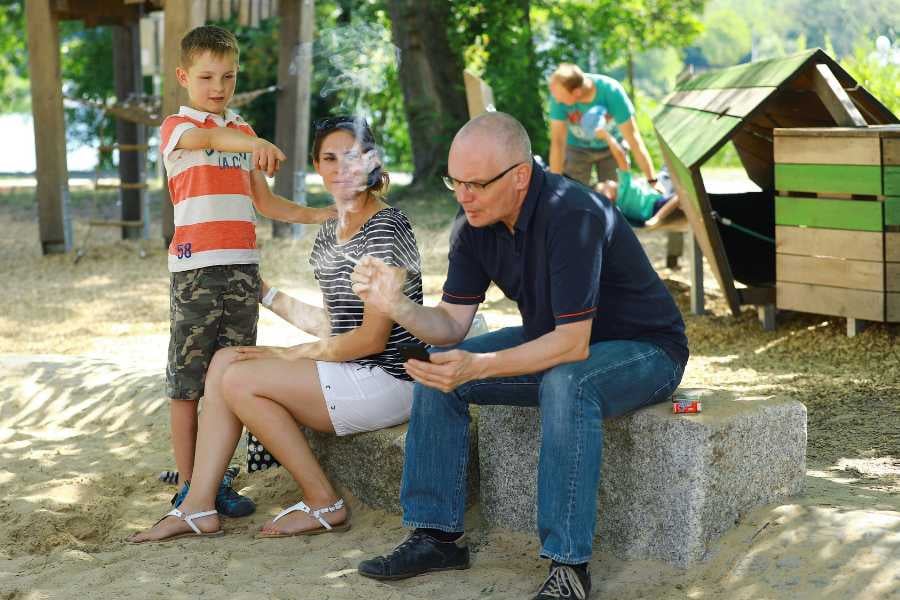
[
  {"x": 370, "y": 465},
  {"x": 670, "y": 485}
]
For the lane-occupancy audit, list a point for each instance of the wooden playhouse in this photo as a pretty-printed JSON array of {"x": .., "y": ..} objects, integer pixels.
[{"x": 822, "y": 234}]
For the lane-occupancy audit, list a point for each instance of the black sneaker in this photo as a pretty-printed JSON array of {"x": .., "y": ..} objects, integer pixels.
[
  {"x": 229, "y": 502},
  {"x": 565, "y": 581},
  {"x": 419, "y": 553}
]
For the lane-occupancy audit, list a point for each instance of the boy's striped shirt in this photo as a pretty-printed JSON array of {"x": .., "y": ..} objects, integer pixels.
[
  {"x": 388, "y": 236},
  {"x": 215, "y": 222}
]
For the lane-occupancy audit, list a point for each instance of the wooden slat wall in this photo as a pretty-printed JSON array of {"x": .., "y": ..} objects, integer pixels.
[
  {"x": 834, "y": 272},
  {"x": 828, "y": 151},
  {"x": 835, "y": 243},
  {"x": 824, "y": 300},
  {"x": 829, "y": 179},
  {"x": 855, "y": 215}
]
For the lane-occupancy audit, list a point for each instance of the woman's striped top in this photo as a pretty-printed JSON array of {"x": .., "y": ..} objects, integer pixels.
[{"x": 387, "y": 236}]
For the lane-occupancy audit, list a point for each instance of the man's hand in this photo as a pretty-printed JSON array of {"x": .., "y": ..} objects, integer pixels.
[
  {"x": 447, "y": 370},
  {"x": 266, "y": 156},
  {"x": 378, "y": 284}
]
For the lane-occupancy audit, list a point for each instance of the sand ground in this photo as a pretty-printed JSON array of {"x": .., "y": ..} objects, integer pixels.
[{"x": 83, "y": 434}]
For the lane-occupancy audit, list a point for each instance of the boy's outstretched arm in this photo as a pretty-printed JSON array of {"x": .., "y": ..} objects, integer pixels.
[
  {"x": 281, "y": 209},
  {"x": 615, "y": 148},
  {"x": 266, "y": 155}
]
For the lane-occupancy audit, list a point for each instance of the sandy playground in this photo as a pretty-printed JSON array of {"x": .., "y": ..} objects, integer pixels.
[{"x": 83, "y": 435}]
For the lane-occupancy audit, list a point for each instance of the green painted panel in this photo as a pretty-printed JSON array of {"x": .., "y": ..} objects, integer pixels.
[
  {"x": 691, "y": 134},
  {"x": 891, "y": 180},
  {"x": 857, "y": 215},
  {"x": 830, "y": 179},
  {"x": 761, "y": 73},
  {"x": 892, "y": 211},
  {"x": 682, "y": 175}
]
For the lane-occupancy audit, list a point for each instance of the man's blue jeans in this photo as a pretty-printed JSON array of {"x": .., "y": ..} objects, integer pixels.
[{"x": 574, "y": 398}]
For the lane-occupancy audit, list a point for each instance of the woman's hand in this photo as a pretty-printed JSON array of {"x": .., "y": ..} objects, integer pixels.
[
  {"x": 255, "y": 352},
  {"x": 447, "y": 370},
  {"x": 378, "y": 284}
]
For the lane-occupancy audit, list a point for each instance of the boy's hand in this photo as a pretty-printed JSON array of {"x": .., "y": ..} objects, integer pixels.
[
  {"x": 266, "y": 156},
  {"x": 320, "y": 215}
]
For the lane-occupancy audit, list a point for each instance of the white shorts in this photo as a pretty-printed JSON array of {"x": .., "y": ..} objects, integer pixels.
[{"x": 361, "y": 398}]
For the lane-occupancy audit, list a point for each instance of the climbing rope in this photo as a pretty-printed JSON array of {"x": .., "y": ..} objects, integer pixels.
[{"x": 729, "y": 223}]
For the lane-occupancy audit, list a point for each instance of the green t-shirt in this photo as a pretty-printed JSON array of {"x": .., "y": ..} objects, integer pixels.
[
  {"x": 611, "y": 95},
  {"x": 635, "y": 197}
]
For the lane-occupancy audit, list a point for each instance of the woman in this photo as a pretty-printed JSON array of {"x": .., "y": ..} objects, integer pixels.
[{"x": 352, "y": 379}]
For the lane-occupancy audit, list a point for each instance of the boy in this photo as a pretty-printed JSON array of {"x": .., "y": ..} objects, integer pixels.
[
  {"x": 214, "y": 163},
  {"x": 639, "y": 202}
]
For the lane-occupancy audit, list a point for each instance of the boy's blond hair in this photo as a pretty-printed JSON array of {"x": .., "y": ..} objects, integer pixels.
[
  {"x": 569, "y": 76},
  {"x": 208, "y": 38}
]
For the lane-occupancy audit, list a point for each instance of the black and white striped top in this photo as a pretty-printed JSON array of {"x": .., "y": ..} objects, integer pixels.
[{"x": 388, "y": 236}]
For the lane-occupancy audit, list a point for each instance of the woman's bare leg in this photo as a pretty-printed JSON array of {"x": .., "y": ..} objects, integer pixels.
[
  {"x": 271, "y": 397},
  {"x": 217, "y": 436}
]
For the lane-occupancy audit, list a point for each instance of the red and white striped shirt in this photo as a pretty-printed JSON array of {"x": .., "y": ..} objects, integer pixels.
[{"x": 215, "y": 223}]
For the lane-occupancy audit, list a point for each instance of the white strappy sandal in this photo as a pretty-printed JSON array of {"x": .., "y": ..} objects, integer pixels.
[
  {"x": 189, "y": 519},
  {"x": 315, "y": 514}
]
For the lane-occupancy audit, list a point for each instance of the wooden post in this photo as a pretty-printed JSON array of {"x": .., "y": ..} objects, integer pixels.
[
  {"x": 697, "y": 296},
  {"x": 285, "y": 123},
  {"x": 127, "y": 69},
  {"x": 304, "y": 80},
  {"x": 49, "y": 127},
  {"x": 181, "y": 17},
  {"x": 835, "y": 98}
]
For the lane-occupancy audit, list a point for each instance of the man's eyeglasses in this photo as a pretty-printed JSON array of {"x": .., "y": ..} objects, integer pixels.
[{"x": 474, "y": 186}]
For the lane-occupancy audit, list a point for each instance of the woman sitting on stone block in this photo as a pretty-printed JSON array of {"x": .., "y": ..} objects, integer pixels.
[{"x": 351, "y": 380}]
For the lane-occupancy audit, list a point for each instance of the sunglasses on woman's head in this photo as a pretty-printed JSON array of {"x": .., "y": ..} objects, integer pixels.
[{"x": 334, "y": 122}]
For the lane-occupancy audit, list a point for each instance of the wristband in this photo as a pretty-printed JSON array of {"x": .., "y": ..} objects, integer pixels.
[{"x": 269, "y": 297}]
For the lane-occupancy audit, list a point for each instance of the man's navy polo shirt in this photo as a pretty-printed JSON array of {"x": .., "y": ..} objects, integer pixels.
[{"x": 573, "y": 257}]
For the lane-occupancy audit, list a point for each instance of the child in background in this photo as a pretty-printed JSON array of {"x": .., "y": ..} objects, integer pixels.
[
  {"x": 215, "y": 166},
  {"x": 638, "y": 201}
]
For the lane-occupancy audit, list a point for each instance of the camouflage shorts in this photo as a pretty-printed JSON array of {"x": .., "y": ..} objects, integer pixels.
[{"x": 209, "y": 308}]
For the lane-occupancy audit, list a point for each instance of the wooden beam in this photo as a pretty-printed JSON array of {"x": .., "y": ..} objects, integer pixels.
[
  {"x": 857, "y": 215},
  {"x": 835, "y": 99},
  {"x": 127, "y": 71},
  {"x": 479, "y": 95},
  {"x": 736, "y": 102},
  {"x": 286, "y": 102},
  {"x": 304, "y": 83},
  {"x": 180, "y": 17},
  {"x": 829, "y": 179},
  {"x": 49, "y": 127}
]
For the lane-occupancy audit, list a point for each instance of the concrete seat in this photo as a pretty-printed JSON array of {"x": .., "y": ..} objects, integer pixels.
[
  {"x": 671, "y": 484},
  {"x": 370, "y": 465}
]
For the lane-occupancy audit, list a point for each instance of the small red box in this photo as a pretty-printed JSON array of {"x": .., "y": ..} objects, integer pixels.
[{"x": 685, "y": 405}]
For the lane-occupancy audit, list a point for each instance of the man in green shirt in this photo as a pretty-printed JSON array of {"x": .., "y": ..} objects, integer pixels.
[{"x": 581, "y": 105}]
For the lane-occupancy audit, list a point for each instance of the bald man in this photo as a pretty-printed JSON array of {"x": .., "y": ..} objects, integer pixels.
[{"x": 600, "y": 336}]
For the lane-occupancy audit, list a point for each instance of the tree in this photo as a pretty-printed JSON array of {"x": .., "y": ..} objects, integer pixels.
[
  {"x": 499, "y": 40},
  {"x": 432, "y": 83},
  {"x": 727, "y": 38}
]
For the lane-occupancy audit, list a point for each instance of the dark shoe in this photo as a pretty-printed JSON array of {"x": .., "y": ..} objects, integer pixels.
[
  {"x": 229, "y": 502},
  {"x": 565, "y": 581},
  {"x": 419, "y": 553},
  {"x": 180, "y": 495}
]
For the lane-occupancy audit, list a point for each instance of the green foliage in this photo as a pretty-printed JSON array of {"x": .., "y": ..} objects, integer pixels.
[
  {"x": 13, "y": 61},
  {"x": 87, "y": 72},
  {"x": 497, "y": 38},
  {"x": 726, "y": 40},
  {"x": 881, "y": 77}
]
